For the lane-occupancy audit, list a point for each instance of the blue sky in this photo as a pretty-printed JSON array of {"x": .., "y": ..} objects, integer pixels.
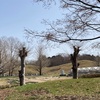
[{"x": 17, "y": 15}]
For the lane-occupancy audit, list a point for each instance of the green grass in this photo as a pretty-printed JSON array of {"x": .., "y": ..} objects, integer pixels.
[{"x": 40, "y": 91}]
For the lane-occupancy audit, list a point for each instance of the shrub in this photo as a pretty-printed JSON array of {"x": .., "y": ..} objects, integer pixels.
[{"x": 90, "y": 75}]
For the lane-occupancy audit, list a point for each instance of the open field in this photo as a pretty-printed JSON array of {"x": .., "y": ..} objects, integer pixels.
[
  {"x": 49, "y": 73},
  {"x": 51, "y": 86},
  {"x": 67, "y": 89}
]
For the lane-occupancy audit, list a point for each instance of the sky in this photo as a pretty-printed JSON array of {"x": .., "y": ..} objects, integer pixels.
[{"x": 18, "y": 15}]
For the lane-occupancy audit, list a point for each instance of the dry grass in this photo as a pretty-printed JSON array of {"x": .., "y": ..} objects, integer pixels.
[
  {"x": 87, "y": 63},
  {"x": 3, "y": 82},
  {"x": 55, "y": 70}
]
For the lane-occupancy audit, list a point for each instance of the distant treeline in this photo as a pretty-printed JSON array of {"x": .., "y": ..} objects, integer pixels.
[
  {"x": 59, "y": 59},
  {"x": 63, "y": 59}
]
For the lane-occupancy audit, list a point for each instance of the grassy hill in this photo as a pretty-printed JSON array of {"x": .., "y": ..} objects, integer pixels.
[{"x": 55, "y": 70}]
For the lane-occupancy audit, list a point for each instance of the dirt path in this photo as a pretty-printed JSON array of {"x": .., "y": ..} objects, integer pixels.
[
  {"x": 44, "y": 79},
  {"x": 3, "y": 82}
]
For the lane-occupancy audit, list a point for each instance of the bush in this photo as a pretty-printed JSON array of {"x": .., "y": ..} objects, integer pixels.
[{"x": 90, "y": 75}]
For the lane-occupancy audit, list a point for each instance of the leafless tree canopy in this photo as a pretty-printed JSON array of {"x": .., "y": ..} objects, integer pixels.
[
  {"x": 81, "y": 22},
  {"x": 8, "y": 55},
  {"x": 42, "y": 61}
]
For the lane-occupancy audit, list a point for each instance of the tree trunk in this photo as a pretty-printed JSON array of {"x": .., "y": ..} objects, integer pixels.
[
  {"x": 74, "y": 62},
  {"x": 22, "y": 54},
  {"x": 40, "y": 65},
  {"x": 40, "y": 72},
  {"x": 9, "y": 71},
  {"x": 22, "y": 72},
  {"x": 75, "y": 74}
]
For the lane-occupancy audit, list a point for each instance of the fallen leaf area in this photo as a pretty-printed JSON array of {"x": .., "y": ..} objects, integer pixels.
[{"x": 4, "y": 93}]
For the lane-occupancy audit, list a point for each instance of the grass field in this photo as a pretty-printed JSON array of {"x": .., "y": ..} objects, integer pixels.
[
  {"x": 66, "y": 89},
  {"x": 70, "y": 89}
]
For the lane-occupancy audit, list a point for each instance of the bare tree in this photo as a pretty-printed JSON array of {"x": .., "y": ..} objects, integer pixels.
[
  {"x": 81, "y": 23},
  {"x": 96, "y": 46},
  {"x": 42, "y": 61},
  {"x": 3, "y": 55},
  {"x": 98, "y": 60},
  {"x": 81, "y": 18},
  {"x": 8, "y": 55},
  {"x": 13, "y": 45}
]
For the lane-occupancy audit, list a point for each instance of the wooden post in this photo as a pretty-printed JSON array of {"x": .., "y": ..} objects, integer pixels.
[
  {"x": 74, "y": 62},
  {"x": 22, "y": 55}
]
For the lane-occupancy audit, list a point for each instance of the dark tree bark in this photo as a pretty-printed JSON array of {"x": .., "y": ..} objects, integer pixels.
[{"x": 74, "y": 62}]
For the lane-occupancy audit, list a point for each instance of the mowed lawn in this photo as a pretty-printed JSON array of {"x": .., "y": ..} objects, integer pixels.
[{"x": 69, "y": 89}]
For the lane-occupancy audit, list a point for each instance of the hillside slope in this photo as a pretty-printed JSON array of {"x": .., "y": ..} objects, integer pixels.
[{"x": 55, "y": 70}]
